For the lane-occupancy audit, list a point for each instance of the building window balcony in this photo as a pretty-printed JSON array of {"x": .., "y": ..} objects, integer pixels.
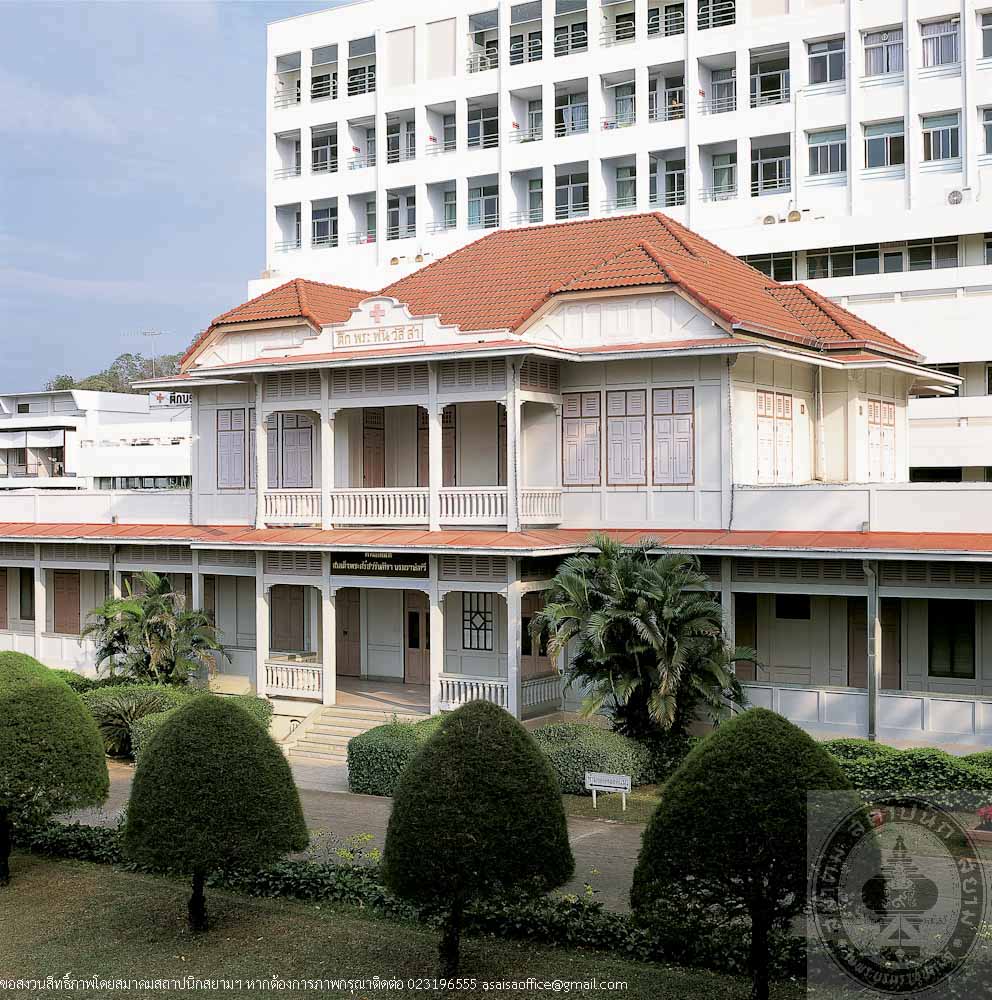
[
  {"x": 534, "y": 134},
  {"x": 324, "y": 166},
  {"x": 489, "y": 141},
  {"x": 770, "y": 185},
  {"x": 625, "y": 203},
  {"x": 361, "y": 236},
  {"x": 488, "y": 221},
  {"x": 325, "y": 242},
  {"x": 361, "y": 161},
  {"x": 479, "y": 62},
  {"x": 623, "y": 119},
  {"x": 527, "y": 217},
  {"x": 324, "y": 87},
  {"x": 719, "y": 192},
  {"x": 716, "y": 14},
  {"x": 436, "y": 146},
  {"x": 718, "y": 105},
  {"x": 283, "y": 172},
  {"x": 286, "y": 246},
  {"x": 400, "y": 155},
  {"x": 577, "y": 210},
  {"x": 571, "y": 40},
  {"x": 401, "y": 232},
  {"x": 619, "y": 32},
  {"x": 444, "y": 226}
]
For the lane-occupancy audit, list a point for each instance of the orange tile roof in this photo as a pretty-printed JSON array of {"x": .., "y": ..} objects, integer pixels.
[
  {"x": 501, "y": 280},
  {"x": 534, "y": 540}
]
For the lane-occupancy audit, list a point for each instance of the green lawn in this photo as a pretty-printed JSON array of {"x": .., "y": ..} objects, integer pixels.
[
  {"x": 62, "y": 917},
  {"x": 641, "y": 803}
]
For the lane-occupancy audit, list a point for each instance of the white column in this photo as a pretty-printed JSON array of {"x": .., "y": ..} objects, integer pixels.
[
  {"x": 261, "y": 455},
  {"x": 505, "y": 111},
  {"x": 436, "y": 660},
  {"x": 197, "y": 578},
  {"x": 40, "y": 606},
  {"x": 694, "y": 179},
  {"x": 513, "y": 475},
  {"x": 514, "y": 695},
  {"x": 115, "y": 574},
  {"x": 435, "y": 471},
  {"x": 194, "y": 450},
  {"x": 328, "y": 637},
  {"x": 548, "y": 170},
  {"x": 261, "y": 625},
  {"x": 727, "y": 601},
  {"x": 912, "y": 57},
  {"x": 971, "y": 131},
  {"x": 874, "y": 647},
  {"x": 327, "y": 447},
  {"x": 596, "y": 115},
  {"x": 642, "y": 158}
]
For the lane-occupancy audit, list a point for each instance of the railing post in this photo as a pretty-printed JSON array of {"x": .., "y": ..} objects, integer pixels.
[
  {"x": 435, "y": 473},
  {"x": 40, "y": 609},
  {"x": 328, "y": 637},
  {"x": 514, "y": 690},
  {"x": 261, "y": 455},
  {"x": 874, "y": 647},
  {"x": 512, "y": 447},
  {"x": 261, "y": 623},
  {"x": 436, "y": 626},
  {"x": 326, "y": 451}
]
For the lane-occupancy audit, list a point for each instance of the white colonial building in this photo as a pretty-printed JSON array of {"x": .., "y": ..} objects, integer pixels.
[
  {"x": 433, "y": 449},
  {"x": 844, "y": 143}
]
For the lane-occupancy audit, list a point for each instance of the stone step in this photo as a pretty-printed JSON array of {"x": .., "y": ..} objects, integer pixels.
[
  {"x": 317, "y": 741},
  {"x": 337, "y": 728},
  {"x": 375, "y": 717},
  {"x": 327, "y": 756}
]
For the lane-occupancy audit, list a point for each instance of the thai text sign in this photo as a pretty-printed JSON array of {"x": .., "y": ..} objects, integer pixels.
[
  {"x": 405, "y": 564},
  {"x": 379, "y": 336}
]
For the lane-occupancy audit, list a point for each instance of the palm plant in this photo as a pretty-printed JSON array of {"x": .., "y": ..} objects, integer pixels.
[
  {"x": 648, "y": 636},
  {"x": 149, "y": 633}
]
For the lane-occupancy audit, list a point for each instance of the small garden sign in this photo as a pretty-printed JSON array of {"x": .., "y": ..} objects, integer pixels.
[{"x": 599, "y": 781}]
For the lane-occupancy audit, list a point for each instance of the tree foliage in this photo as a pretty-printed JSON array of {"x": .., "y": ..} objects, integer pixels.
[
  {"x": 476, "y": 812},
  {"x": 731, "y": 827},
  {"x": 212, "y": 791},
  {"x": 648, "y": 637},
  {"x": 121, "y": 374},
  {"x": 150, "y": 635},
  {"x": 51, "y": 754}
]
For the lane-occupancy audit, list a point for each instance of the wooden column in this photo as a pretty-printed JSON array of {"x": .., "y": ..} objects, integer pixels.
[
  {"x": 513, "y": 471},
  {"x": 328, "y": 641},
  {"x": 40, "y": 607},
  {"x": 436, "y": 626},
  {"x": 326, "y": 451},
  {"x": 514, "y": 694},
  {"x": 874, "y": 647},
  {"x": 261, "y": 623},
  {"x": 261, "y": 455}
]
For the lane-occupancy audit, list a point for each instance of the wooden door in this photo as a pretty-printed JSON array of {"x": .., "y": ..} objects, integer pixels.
[
  {"x": 417, "y": 638},
  {"x": 297, "y": 451},
  {"x": 66, "y": 607},
  {"x": 347, "y": 609},
  {"x": 287, "y": 613},
  {"x": 857, "y": 642},
  {"x": 746, "y": 630},
  {"x": 534, "y": 660},
  {"x": 423, "y": 448},
  {"x": 3, "y": 597},
  {"x": 374, "y": 448}
]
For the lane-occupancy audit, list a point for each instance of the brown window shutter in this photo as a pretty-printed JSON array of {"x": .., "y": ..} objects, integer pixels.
[{"x": 67, "y": 601}]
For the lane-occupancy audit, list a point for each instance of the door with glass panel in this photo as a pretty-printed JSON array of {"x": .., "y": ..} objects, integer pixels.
[
  {"x": 483, "y": 206},
  {"x": 572, "y": 195},
  {"x": 417, "y": 646}
]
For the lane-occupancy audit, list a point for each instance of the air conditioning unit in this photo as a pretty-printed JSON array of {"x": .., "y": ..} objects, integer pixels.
[
  {"x": 769, "y": 220},
  {"x": 795, "y": 216},
  {"x": 955, "y": 197}
]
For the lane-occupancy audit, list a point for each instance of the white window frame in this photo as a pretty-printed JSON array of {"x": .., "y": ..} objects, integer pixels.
[
  {"x": 941, "y": 41},
  {"x": 941, "y": 137},
  {"x": 582, "y": 420},
  {"x": 881, "y": 42},
  {"x": 986, "y": 26},
  {"x": 827, "y": 152},
  {"x": 626, "y": 437},
  {"x": 478, "y": 638},
  {"x": 827, "y": 51},
  {"x": 673, "y": 415},
  {"x": 881, "y": 135},
  {"x": 987, "y": 128}
]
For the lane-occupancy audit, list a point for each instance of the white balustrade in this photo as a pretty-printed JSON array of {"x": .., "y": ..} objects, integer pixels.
[
  {"x": 540, "y": 506},
  {"x": 473, "y": 505},
  {"x": 457, "y": 691},
  {"x": 541, "y": 691},
  {"x": 293, "y": 680},
  {"x": 292, "y": 507},
  {"x": 381, "y": 506}
]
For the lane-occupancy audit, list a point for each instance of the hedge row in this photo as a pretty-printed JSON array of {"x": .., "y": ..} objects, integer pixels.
[
  {"x": 690, "y": 934},
  {"x": 142, "y": 730},
  {"x": 378, "y": 757}
]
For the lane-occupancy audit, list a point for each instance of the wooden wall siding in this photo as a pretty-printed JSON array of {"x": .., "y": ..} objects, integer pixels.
[
  {"x": 473, "y": 568},
  {"x": 292, "y": 563},
  {"x": 66, "y": 603},
  {"x": 396, "y": 380},
  {"x": 292, "y": 385}
]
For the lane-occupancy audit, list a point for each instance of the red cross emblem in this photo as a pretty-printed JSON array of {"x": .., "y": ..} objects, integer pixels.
[
  {"x": 159, "y": 397},
  {"x": 377, "y": 312}
]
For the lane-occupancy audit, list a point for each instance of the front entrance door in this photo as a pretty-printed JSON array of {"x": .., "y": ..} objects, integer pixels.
[
  {"x": 287, "y": 615},
  {"x": 857, "y": 642},
  {"x": 417, "y": 632},
  {"x": 534, "y": 660},
  {"x": 297, "y": 451},
  {"x": 347, "y": 610},
  {"x": 66, "y": 612},
  {"x": 374, "y": 448}
]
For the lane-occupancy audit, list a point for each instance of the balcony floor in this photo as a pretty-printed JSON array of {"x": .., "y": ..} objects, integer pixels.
[{"x": 382, "y": 696}]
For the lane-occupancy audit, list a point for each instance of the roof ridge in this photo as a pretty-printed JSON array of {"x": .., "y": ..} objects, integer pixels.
[{"x": 666, "y": 224}]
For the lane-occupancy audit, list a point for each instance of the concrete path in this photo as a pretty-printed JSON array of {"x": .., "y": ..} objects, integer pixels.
[{"x": 605, "y": 852}]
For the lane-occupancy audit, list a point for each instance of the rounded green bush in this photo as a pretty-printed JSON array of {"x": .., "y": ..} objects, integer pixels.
[
  {"x": 212, "y": 791},
  {"x": 15, "y": 667},
  {"x": 853, "y": 749},
  {"x": 576, "y": 747},
  {"x": 377, "y": 758},
  {"x": 118, "y": 707},
  {"x": 51, "y": 754},
  {"x": 731, "y": 828},
  {"x": 478, "y": 811},
  {"x": 77, "y": 682},
  {"x": 982, "y": 759}
]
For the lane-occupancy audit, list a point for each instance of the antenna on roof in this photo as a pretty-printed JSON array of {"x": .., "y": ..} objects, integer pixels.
[{"x": 151, "y": 334}]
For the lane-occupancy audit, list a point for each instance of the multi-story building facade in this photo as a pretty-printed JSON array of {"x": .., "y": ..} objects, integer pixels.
[
  {"x": 433, "y": 449},
  {"x": 838, "y": 142}
]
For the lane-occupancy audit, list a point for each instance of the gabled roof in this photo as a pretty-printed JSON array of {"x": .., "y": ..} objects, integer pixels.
[{"x": 501, "y": 280}]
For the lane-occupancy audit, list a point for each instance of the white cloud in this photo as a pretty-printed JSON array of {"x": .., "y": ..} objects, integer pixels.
[
  {"x": 28, "y": 108},
  {"x": 116, "y": 291}
]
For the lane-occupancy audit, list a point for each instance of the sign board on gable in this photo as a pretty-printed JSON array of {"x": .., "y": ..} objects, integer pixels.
[
  {"x": 162, "y": 398},
  {"x": 600, "y": 781},
  {"x": 379, "y": 336},
  {"x": 401, "y": 564}
]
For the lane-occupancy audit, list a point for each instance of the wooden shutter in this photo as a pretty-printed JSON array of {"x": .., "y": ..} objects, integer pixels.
[
  {"x": 297, "y": 451},
  {"x": 674, "y": 443},
  {"x": 423, "y": 448},
  {"x": 626, "y": 433},
  {"x": 449, "y": 476},
  {"x": 501, "y": 445},
  {"x": 374, "y": 448},
  {"x": 766, "y": 436},
  {"x": 581, "y": 439},
  {"x": 783, "y": 438},
  {"x": 874, "y": 440},
  {"x": 66, "y": 604},
  {"x": 231, "y": 449},
  {"x": 888, "y": 441},
  {"x": 3, "y": 597}
]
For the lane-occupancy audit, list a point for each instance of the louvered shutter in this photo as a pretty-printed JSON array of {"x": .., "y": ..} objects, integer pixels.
[
  {"x": 572, "y": 452},
  {"x": 663, "y": 428},
  {"x": 783, "y": 438},
  {"x": 888, "y": 436},
  {"x": 272, "y": 451},
  {"x": 3, "y": 597},
  {"x": 766, "y": 437},
  {"x": 580, "y": 439},
  {"x": 874, "y": 440},
  {"x": 231, "y": 449}
]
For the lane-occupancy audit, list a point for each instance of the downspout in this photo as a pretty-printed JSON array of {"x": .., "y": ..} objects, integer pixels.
[
  {"x": 821, "y": 437},
  {"x": 874, "y": 646},
  {"x": 730, "y": 438}
]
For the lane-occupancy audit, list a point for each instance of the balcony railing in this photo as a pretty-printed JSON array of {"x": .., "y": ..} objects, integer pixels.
[
  {"x": 780, "y": 95},
  {"x": 775, "y": 185},
  {"x": 579, "y": 127},
  {"x": 717, "y": 14},
  {"x": 541, "y": 691},
  {"x": 578, "y": 210},
  {"x": 446, "y": 225},
  {"x": 670, "y": 199},
  {"x": 479, "y": 62},
  {"x": 362, "y": 236},
  {"x": 399, "y": 155},
  {"x": 626, "y": 204},
  {"x": 285, "y": 246},
  {"x": 528, "y": 217},
  {"x": 484, "y": 141},
  {"x": 565, "y": 45},
  {"x": 400, "y": 232},
  {"x": 292, "y": 507},
  {"x": 361, "y": 86},
  {"x": 520, "y": 54},
  {"x": 667, "y": 112},
  {"x": 286, "y": 100},
  {"x": 490, "y": 221},
  {"x": 617, "y": 34},
  {"x": 719, "y": 192},
  {"x": 323, "y": 242},
  {"x": 293, "y": 680},
  {"x": 325, "y": 166},
  {"x": 673, "y": 23},
  {"x": 361, "y": 161},
  {"x": 623, "y": 120},
  {"x": 718, "y": 105},
  {"x": 380, "y": 506},
  {"x": 526, "y": 134},
  {"x": 540, "y": 506},
  {"x": 283, "y": 172},
  {"x": 436, "y": 146},
  {"x": 321, "y": 89},
  {"x": 457, "y": 691},
  {"x": 473, "y": 505}
]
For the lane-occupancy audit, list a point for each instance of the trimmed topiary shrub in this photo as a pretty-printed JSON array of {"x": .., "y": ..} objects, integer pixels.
[
  {"x": 142, "y": 730},
  {"x": 77, "y": 682},
  {"x": 854, "y": 749},
  {"x": 51, "y": 754},
  {"x": 377, "y": 758},
  {"x": 730, "y": 832},
  {"x": 921, "y": 773},
  {"x": 576, "y": 747},
  {"x": 477, "y": 812},
  {"x": 21, "y": 667},
  {"x": 212, "y": 791},
  {"x": 118, "y": 707}
]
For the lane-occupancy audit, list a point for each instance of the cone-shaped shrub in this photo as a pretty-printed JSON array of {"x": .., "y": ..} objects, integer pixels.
[
  {"x": 731, "y": 827},
  {"x": 51, "y": 754},
  {"x": 212, "y": 791},
  {"x": 477, "y": 812}
]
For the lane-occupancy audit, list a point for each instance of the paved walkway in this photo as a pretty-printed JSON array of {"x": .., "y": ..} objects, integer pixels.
[{"x": 607, "y": 848}]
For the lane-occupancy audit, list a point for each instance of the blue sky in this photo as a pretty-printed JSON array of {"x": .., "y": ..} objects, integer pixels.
[{"x": 131, "y": 175}]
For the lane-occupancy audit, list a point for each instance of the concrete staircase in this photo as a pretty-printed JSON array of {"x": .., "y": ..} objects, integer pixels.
[{"x": 323, "y": 738}]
